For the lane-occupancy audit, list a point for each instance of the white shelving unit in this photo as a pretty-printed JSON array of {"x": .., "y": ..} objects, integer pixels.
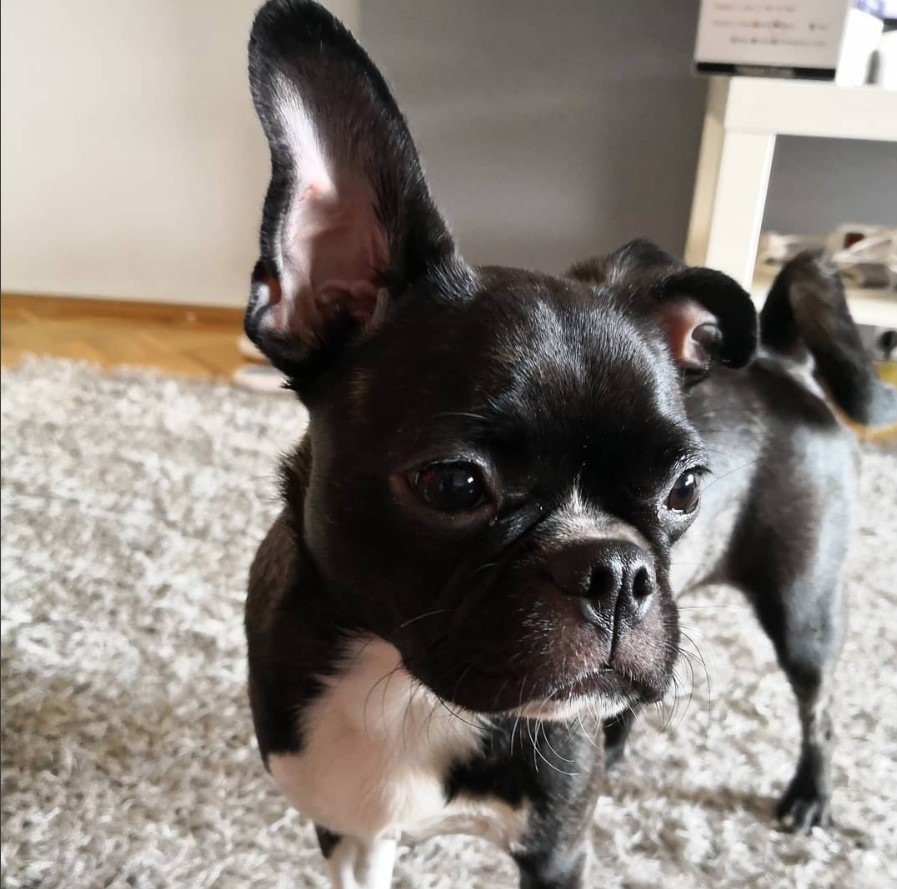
[{"x": 744, "y": 116}]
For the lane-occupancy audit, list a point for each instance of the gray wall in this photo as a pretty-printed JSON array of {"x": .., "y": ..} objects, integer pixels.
[
  {"x": 819, "y": 184},
  {"x": 551, "y": 131}
]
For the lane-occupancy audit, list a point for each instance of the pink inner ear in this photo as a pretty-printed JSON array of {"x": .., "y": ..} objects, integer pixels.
[
  {"x": 334, "y": 249},
  {"x": 690, "y": 329}
]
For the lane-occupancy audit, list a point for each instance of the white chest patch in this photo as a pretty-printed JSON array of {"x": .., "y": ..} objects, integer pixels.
[{"x": 377, "y": 746}]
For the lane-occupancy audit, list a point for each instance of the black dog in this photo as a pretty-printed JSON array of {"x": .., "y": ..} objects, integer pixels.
[{"x": 473, "y": 562}]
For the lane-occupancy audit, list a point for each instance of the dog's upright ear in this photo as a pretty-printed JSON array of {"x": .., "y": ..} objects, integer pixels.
[
  {"x": 348, "y": 221},
  {"x": 705, "y": 316}
]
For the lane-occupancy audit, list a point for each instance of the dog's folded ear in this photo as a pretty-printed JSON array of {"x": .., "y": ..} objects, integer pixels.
[
  {"x": 348, "y": 221},
  {"x": 705, "y": 316}
]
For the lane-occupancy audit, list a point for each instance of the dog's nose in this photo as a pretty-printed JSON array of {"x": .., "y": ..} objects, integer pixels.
[{"x": 613, "y": 579}]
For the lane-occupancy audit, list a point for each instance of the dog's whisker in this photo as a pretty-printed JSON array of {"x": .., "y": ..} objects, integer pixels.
[
  {"x": 384, "y": 678},
  {"x": 414, "y": 620},
  {"x": 551, "y": 747},
  {"x": 519, "y": 709},
  {"x": 541, "y": 725},
  {"x": 749, "y": 464},
  {"x": 585, "y": 732}
]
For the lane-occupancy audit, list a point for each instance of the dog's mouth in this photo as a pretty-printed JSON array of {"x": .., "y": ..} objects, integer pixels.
[
  {"x": 604, "y": 691},
  {"x": 595, "y": 683},
  {"x": 530, "y": 652},
  {"x": 575, "y": 699}
]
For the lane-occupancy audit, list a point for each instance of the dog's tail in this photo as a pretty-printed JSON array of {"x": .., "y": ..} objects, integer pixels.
[{"x": 806, "y": 312}]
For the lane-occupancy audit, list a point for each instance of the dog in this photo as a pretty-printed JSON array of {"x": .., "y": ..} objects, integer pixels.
[{"x": 473, "y": 572}]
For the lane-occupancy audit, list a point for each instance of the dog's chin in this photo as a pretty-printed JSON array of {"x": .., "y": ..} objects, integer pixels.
[
  {"x": 600, "y": 708},
  {"x": 602, "y": 692}
]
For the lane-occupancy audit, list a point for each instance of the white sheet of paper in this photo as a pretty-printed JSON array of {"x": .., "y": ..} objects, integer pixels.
[{"x": 788, "y": 33}]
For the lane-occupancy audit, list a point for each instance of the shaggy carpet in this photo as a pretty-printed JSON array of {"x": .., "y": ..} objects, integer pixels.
[{"x": 131, "y": 506}]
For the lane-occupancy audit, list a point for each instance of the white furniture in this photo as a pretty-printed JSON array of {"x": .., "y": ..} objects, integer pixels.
[{"x": 744, "y": 116}]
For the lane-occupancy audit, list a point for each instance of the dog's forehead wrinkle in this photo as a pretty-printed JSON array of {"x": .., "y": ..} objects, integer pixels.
[
  {"x": 580, "y": 517},
  {"x": 580, "y": 381},
  {"x": 552, "y": 353}
]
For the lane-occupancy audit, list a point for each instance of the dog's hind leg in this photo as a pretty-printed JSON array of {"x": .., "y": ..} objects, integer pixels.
[
  {"x": 793, "y": 578},
  {"x": 805, "y": 625}
]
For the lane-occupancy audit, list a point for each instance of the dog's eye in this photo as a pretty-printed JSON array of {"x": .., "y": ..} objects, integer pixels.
[
  {"x": 684, "y": 495},
  {"x": 449, "y": 487}
]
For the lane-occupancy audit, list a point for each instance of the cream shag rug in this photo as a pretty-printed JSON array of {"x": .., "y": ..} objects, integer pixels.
[{"x": 131, "y": 507}]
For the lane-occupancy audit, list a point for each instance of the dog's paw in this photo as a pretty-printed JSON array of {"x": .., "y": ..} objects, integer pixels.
[{"x": 802, "y": 808}]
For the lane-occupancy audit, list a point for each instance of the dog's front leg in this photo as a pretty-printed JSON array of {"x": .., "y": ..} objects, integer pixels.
[
  {"x": 555, "y": 868},
  {"x": 358, "y": 863},
  {"x": 616, "y": 733}
]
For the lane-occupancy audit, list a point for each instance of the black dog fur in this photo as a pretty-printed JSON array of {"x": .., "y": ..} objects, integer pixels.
[{"x": 485, "y": 523}]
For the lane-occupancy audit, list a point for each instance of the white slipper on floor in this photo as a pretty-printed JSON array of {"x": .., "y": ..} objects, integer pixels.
[{"x": 259, "y": 378}]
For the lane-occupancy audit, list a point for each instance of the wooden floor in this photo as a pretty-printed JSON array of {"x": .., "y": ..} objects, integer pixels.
[{"x": 185, "y": 340}]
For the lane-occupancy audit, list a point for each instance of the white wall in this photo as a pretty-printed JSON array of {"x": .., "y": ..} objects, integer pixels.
[
  {"x": 133, "y": 166},
  {"x": 132, "y": 162}
]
